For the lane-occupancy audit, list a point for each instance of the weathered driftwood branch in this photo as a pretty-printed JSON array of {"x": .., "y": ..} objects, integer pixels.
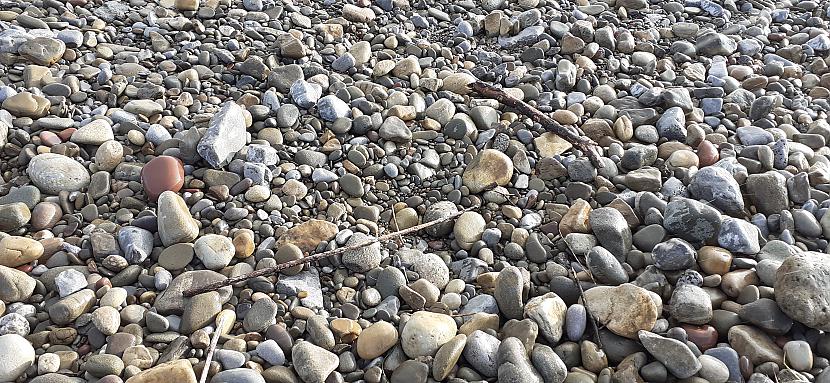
[
  {"x": 585, "y": 144},
  {"x": 315, "y": 257}
]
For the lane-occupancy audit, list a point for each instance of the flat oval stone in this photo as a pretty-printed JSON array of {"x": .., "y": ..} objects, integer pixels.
[
  {"x": 575, "y": 322},
  {"x": 161, "y": 174},
  {"x": 45, "y": 215},
  {"x": 52, "y": 173},
  {"x": 16, "y": 251},
  {"x": 26, "y": 104}
]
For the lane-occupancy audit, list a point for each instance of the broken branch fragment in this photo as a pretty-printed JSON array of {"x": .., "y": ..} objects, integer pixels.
[
  {"x": 585, "y": 144},
  {"x": 316, "y": 257}
]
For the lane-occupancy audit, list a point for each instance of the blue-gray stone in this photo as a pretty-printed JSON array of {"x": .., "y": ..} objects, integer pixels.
[
  {"x": 672, "y": 124},
  {"x": 271, "y": 352},
  {"x": 575, "y": 322},
  {"x": 674, "y": 354},
  {"x": 612, "y": 231},
  {"x": 527, "y": 36},
  {"x": 28, "y": 194},
  {"x": 691, "y": 220},
  {"x": 419, "y": 21},
  {"x": 388, "y": 308},
  {"x": 674, "y": 254},
  {"x": 237, "y": 375},
  {"x": 730, "y": 358},
  {"x": 549, "y": 365},
  {"x": 468, "y": 269},
  {"x": 308, "y": 281},
  {"x": 690, "y": 304},
  {"x": 253, "y": 5},
  {"x": 136, "y": 243},
  {"x": 491, "y": 236},
  {"x": 481, "y": 352},
  {"x": 331, "y": 108},
  {"x": 323, "y": 175},
  {"x": 270, "y": 100},
  {"x": 715, "y": 44},
  {"x": 513, "y": 363},
  {"x": 482, "y": 303},
  {"x": 262, "y": 154},
  {"x": 711, "y": 106},
  {"x": 465, "y": 29},
  {"x": 230, "y": 359},
  {"x": 305, "y": 94},
  {"x": 344, "y": 62},
  {"x": 715, "y": 185},
  {"x": 739, "y": 236},
  {"x": 765, "y": 314},
  {"x": 819, "y": 43},
  {"x": 806, "y": 223},
  {"x": 605, "y": 268},
  {"x": 780, "y": 15},
  {"x": 753, "y": 135},
  {"x": 391, "y": 170},
  {"x": 750, "y": 47},
  {"x": 258, "y": 173},
  {"x": 761, "y": 107},
  {"x": 798, "y": 188},
  {"x": 760, "y": 221},
  {"x": 781, "y": 151}
]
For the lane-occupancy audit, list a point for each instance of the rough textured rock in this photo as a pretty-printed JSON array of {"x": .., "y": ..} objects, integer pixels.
[
  {"x": 802, "y": 290},
  {"x": 308, "y": 234},
  {"x": 16, "y": 355},
  {"x": 716, "y": 186},
  {"x": 225, "y": 135},
  {"x": 52, "y": 173},
  {"x": 425, "y": 332},
  {"x": 490, "y": 168},
  {"x": 625, "y": 309}
]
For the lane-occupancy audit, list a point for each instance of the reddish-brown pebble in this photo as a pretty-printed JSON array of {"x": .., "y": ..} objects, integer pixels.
[
  {"x": 707, "y": 153},
  {"x": 45, "y": 215},
  {"x": 103, "y": 282},
  {"x": 781, "y": 341},
  {"x": 66, "y": 133},
  {"x": 85, "y": 349},
  {"x": 50, "y": 139},
  {"x": 704, "y": 337},
  {"x": 161, "y": 174}
]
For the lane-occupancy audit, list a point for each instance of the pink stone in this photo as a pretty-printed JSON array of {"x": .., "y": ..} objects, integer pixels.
[
  {"x": 49, "y": 139},
  {"x": 707, "y": 153}
]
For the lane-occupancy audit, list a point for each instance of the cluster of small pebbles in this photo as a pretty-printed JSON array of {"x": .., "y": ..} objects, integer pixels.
[{"x": 154, "y": 146}]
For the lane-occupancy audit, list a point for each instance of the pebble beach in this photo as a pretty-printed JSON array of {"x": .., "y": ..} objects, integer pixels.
[{"x": 150, "y": 148}]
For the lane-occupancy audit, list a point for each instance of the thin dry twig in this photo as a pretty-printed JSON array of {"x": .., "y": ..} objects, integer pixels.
[
  {"x": 585, "y": 144},
  {"x": 211, "y": 348},
  {"x": 399, "y": 239},
  {"x": 582, "y": 295},
  {"x": 464, "y": 315},
  {"x": 315, "y": 257}
]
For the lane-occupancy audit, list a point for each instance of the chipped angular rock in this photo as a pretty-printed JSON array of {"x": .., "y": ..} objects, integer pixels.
[{"x": 225, "y": 136}]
